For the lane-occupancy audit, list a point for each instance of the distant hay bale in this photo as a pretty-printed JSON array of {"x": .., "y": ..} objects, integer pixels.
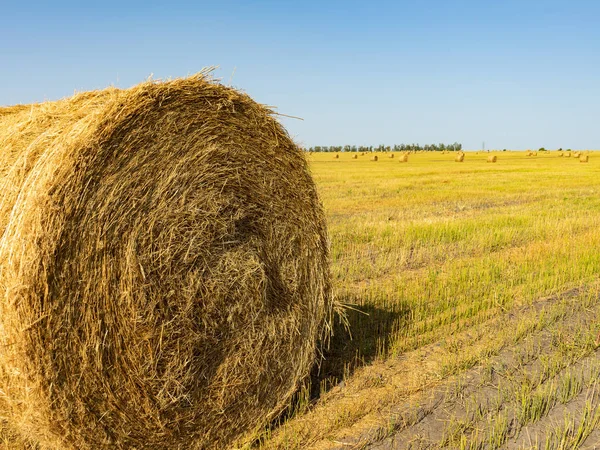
[
  {"x": 576, "y": 155},
  {"x": 404, "y": 158},
  {"x": 375, "y": 158},
  {"x": 584, "y": 158},
  {"x": 529, "y": 153},
  {"x": 391, "y": 155},
  {"x": 568, "y": 155},
  {"x": 561, "y": 154},
  {"x": 355, "y": 156},
  {"x": 492, "y": 158},
  {"x": 460, "y": 157},
  {"x": 164, "y": 268},
  {"x": 336, "y": 156}
]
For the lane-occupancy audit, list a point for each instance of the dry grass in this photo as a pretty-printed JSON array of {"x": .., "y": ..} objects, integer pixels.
[
  {"x": 165, "y": 273},
  {"x": 451, "y": 266}
]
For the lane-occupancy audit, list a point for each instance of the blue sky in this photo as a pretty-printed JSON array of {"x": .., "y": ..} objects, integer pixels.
[{"x": 515, "y": 74}]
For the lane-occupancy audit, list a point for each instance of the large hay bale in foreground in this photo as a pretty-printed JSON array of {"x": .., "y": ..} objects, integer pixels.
[{"x": 164, "y": 267}]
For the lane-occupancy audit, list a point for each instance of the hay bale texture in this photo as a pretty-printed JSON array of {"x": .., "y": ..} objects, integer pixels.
[
  {"x": 460, "y": 157},
  {"x": 492, "y": 158},
  {"x": 164, "y": 268}
]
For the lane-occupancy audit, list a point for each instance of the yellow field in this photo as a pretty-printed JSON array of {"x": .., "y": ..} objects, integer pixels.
[{"x": 474, "y": 289}]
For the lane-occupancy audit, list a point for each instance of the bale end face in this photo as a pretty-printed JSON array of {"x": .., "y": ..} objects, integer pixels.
[{"x": 172, "y": 279}]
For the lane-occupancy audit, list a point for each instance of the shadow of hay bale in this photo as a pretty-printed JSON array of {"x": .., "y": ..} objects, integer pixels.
[{"x": 366, "y": 333}]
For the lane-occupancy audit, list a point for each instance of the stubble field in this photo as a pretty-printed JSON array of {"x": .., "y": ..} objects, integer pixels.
[{"x": 474, "y": 295}]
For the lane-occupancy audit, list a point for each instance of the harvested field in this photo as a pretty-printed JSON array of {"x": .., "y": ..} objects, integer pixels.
[{"x": 469, "y": 330}]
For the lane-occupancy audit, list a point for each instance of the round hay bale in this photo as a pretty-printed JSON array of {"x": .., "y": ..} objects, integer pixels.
[
  {"x": 568, "y": 155},
  {"x": 560, "y": 154},
  {"x": 460, "y": 157},
  {"x": 355, "y": 156},
  {"x": 164, "y": 268},
  {"x": 492, "y": 158},
  {"x": 375, "y": 158},
  {"x": 391, "y": 155},
  {"x": 336, "y": 156},
  {"x": 404, "y": 158},
  {"x": 584, "y": 158}
]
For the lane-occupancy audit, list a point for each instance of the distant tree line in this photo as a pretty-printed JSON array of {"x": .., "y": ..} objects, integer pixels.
[{"x": 388, "y": 148}]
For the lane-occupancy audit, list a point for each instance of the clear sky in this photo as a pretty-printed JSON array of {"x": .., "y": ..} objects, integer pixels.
[{"x": 513, "y": 73}]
